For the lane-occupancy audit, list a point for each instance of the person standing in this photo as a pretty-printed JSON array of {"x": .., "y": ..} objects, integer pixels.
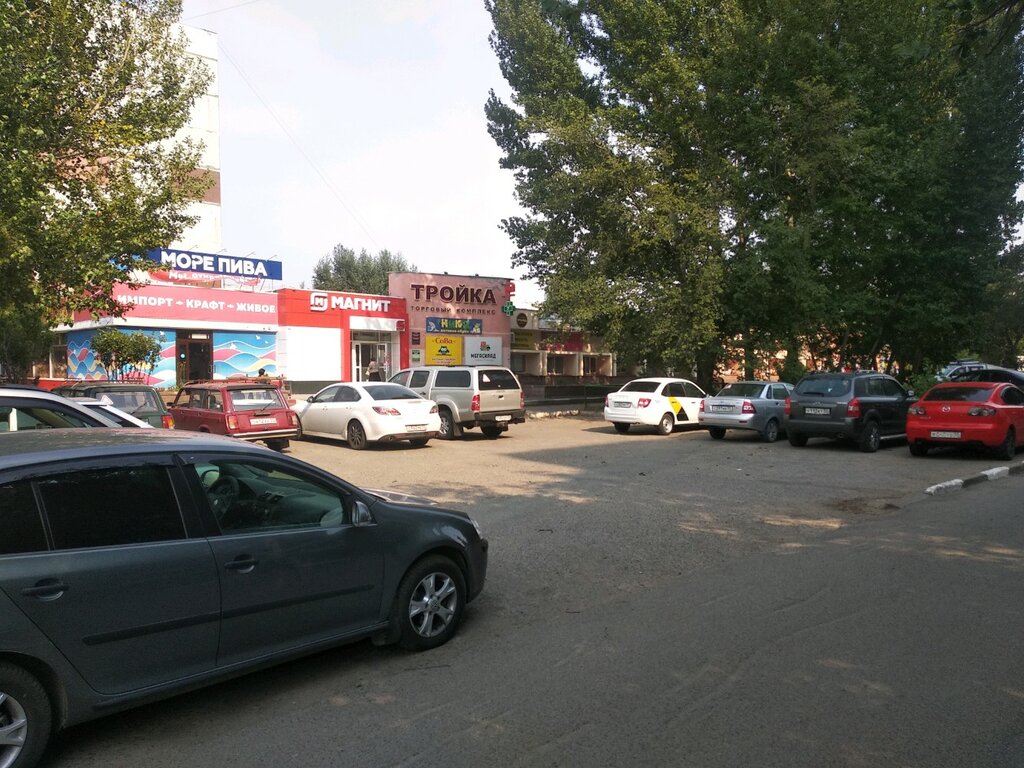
[{"x": 372, "y": 371}]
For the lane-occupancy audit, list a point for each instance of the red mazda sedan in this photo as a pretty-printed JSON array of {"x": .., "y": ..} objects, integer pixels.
[{"x": 968, "y": 413}]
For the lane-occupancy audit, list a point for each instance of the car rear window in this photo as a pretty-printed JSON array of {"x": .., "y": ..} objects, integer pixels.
[
  {"x": 497, "y": 378},
  {"x": 824, "y": 386},
  {"x": 742, "y": 389},
  {"x": 390, "y": 392},
  {"x": 256, "y": 398},
  {"x": 962, "y": 394},
  {"x": 130, "y": 402},
  {"x": 641, "y": 386}
]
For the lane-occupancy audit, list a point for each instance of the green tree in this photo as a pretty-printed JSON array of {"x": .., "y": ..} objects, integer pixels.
[
  {"x": 710, "y": 178},
  {"x": 24, "y": 339},
  {"x": 622, "y": 228},
  {"x": 93, "y": 93},
  {"x": 344, "y": 271},
  {"x": 125, "y": 355}
]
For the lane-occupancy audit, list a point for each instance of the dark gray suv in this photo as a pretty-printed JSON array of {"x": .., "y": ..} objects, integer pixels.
[
  {"x": 138, "y": 563},
  {"x": 865, "y": 407}
]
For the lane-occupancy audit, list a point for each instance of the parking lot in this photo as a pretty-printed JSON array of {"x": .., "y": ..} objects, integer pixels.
[{"x": 622, "y": 599}]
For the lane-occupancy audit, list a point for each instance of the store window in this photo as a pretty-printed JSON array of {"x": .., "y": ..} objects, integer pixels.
[
  {"x": 590, "y": 366},
  {"x": 518, "y": 362},
  {"x": 556, "y": 365}
]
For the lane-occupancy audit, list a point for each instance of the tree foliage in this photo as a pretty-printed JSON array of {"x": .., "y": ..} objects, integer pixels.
[
  {"x": 24, "y": 339},
  {"x": 92, "y": 93},
  {"x": 343, "y": 270},
  {"x": 125, "y": 355},
  {"x": 709, "y": 179}
]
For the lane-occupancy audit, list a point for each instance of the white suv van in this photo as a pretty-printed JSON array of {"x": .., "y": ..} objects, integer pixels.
[{"x": 467, "y": 396}]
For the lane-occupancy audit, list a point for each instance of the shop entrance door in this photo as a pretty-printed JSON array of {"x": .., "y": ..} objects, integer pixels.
[
  {"x": 365, "y": 351},
  {"x": 195, "y": 359}
]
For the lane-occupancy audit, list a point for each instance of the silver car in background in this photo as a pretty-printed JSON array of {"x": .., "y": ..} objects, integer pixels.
[{"x": 753, "y": 405}]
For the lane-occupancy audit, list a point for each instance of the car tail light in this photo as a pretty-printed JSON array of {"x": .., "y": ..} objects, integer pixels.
[
  {"x": 787, "y": 407},
  {"x": 167, "y": 421},
  {"x": 383, "y": 410},
  {"x": 917, "y": 410},
  {"x": 983, "y": 410},
  {"x": 606, "y": 401},
  {"x": 475, "y": 405},
  {"x": 522, "y": 399},
  {"x": 643, "y": 402},
  {"x": 748, "y": 407},
  {"x": 853, "y": 408},
  {"x": 293, "y": 419},
  {"x": 232, "y": 421},
  {"x": 433, "y": 409},
  {"x": 701, "y": 406}
]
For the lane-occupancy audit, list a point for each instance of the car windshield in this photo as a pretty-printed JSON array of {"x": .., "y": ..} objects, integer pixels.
[
  {"x": 742, "y": 389},
  {"x": 256, "y": 398},
  {"x": 641, "y": 386},
  {"x": 964, "y": 394},
  {"x": 390, "y": 392},
  {"x": 824, "y": 386}
]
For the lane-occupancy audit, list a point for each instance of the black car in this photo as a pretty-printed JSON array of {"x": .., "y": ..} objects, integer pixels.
[
  {"x": 140, "y": 400},
  {"x": 864, "y": 407},
  {"x": 992, "y": 373},
  {"x": 137, "y": 563}
]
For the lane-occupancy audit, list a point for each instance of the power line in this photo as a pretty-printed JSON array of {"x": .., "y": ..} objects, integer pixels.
[
  {"x": 221, "y": 10},
  {"x": 327, "y": 183}
]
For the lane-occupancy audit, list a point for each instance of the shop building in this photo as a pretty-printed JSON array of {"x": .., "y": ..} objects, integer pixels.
[
  {"x": 455, "y": 319},
  {"x": 329, "y": 336}
]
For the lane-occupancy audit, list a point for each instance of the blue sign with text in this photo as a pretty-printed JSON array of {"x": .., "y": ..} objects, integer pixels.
[{"x": 216, "y": 264}]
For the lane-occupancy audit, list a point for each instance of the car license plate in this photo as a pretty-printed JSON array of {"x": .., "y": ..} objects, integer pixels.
[
  {"x": 621, "y": 404},
  {"x": 503, "y": 418},
  {"x": 416, "y": 427},
  {"x": 816, "y": 411},
  {"x": 721, "y": 408},
  {"x": 949, "y": 435},
  {"x": 263, "y": 421}
]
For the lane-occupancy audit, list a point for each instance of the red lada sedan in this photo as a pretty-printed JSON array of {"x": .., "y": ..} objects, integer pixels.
[{"x": 968, "y": 413}]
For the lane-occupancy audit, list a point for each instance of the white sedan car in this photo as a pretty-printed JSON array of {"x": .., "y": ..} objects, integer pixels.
[
  {"x": 369, "y": 412},
  {"x": 657, "y": 402}
]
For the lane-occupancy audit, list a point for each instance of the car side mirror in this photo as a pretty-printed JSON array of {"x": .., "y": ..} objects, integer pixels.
[{"x": 361, "y": 516}]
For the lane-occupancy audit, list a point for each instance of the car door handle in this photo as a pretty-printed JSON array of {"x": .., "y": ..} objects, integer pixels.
[
  {"x": 242, "y": 564},
  {"x": 47, "y": 589}
]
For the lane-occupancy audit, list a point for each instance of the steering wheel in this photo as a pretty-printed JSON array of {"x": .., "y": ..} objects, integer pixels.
[{"x": 223, "y": 494}]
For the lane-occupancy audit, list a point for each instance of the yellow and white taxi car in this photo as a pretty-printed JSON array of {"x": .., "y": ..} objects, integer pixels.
[{"x": 656, "y": 402}]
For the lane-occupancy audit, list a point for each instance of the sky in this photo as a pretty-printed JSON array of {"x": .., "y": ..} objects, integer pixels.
[{"x": 360, "y": 123}]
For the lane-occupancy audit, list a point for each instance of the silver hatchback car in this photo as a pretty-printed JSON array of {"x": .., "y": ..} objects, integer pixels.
[
  {"x": 753, "y": 405},
  {"x": 136, "y": 563}
]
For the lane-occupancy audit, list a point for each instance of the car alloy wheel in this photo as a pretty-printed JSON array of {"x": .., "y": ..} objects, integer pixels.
[
  {"x": 25, "y": 718},
  {"x": 449, "y": 429},
  {"x": 356, "y": 436},
  {"x": 771, "y": 431},
  {"x": 871, "y": 438},
  {"x": 430, "y": 598}
]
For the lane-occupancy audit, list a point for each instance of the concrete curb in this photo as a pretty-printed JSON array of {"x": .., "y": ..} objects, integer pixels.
[{"x": 982, "y": 477}]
